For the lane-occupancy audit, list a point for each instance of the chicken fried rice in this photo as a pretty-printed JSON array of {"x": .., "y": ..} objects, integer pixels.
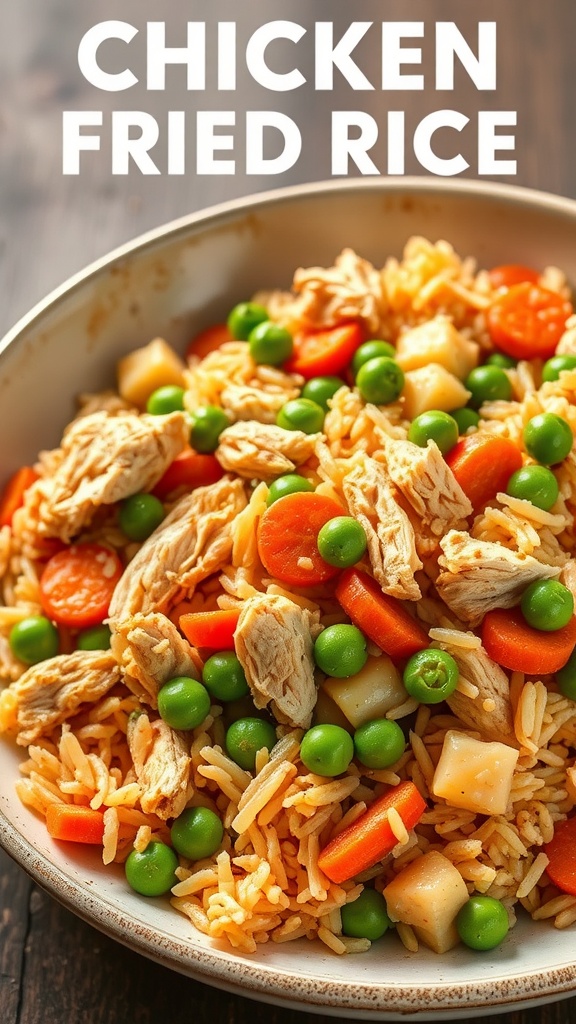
[{"x": 279, "y": 646}]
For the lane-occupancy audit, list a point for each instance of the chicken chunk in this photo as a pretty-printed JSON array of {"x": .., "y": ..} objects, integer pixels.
[
  {"x": 251, "y": 402},
  {"x": 256, "y": 450},
  {"x": 150, "y": 651},
  {"x": 490, "y": 713},
  {"x": 192, "y": 542},
  {"x": 103, "y": 459},
  {"x": 162, "y": 764},
  {"x": 324, "y": 297},
  {"x": 273, "y": 641},
  {"x": 428, "y": 484},
  {"x": 52, "y": 691},
  {"x": 480, "y": 575},
  {"x": 390, "y": 535}
]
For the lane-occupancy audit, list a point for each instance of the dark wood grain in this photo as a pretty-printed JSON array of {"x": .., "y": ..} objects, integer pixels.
[{"x": 54, "y": 967}]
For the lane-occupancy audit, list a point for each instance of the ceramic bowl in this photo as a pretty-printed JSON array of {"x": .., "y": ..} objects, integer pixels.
[{"x": 173, "y": 282}]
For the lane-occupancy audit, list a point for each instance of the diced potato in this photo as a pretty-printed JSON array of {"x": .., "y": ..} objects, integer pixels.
[
  {"x": 327, "y": 712},
  {"x": 427, "y": 894},
  {"x": 370, "y": 693},
  {"x": 148, "y": 368},
  {"x": 432, "y": 387},
  {"x": 475, "y": 774},
  {"x": 437, "y": 341}
]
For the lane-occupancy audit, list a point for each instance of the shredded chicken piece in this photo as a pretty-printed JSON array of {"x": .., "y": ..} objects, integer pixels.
[
  {"x": 162, "y": 764},
  {"x": 390, "y": 535},
  {"x": 480, "y": 574},
  {"x": 252, "y": 449},
  {"x": 273, "y": 641},
  {"x": 103, "y": 459},
  {"x": 492, "y": 682},
  {"x": 428, "y": 484},
  {"x": 193, "y": 541},
  {"x": 568, "y": 576},
  {"x": 250, "y": 402},
  {"x": 150, "y": 651},
  {"x": 52, "y": 691},
  {"x": 350, "y": 290}
]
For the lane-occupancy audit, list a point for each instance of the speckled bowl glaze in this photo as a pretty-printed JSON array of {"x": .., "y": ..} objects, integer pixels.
[{"x": 173, "y": 282}]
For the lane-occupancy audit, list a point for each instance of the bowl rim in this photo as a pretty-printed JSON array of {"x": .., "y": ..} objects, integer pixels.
[{"x": 376, "y": 1001}]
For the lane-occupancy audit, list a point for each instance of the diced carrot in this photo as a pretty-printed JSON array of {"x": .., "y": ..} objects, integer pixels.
[
  {"x": 483, "y": 464},
  {"x": 561, "y": 853},
  {"x": 75, "y": 823},
  {"x": 287, "y": 538},
  {"x": 77, "y": 584},
  {"x": 527, "y": 321},
  {"x": 189, "y": 469},
  {"x": 208, "y": 341},
  {"x": 382, "y": 618},
  {"x": 212, "y": 631},
  {"x": 368, "y": 839},
  {"x": 12, "y": 496},
  {"x": 325, "y": 353},
  {"x": 515, "y": 645},
  {"x": 510, "y": 274}
]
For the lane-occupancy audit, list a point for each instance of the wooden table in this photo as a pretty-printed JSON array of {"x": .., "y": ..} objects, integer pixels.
[{"x": 53, "y": 967}]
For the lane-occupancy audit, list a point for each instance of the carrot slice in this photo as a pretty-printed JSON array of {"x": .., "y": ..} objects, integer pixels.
[
  {"x": 511, "y": 642},
  {"x": 12, "y": 496},
  {"x": 483, "y": 465},
  {"x": 561, "y": 853},
  {"x": 189, "y": 469},
  {"x": 210, "y": 630},
  {"x": 77, "y": 584},
  {"x": 287, "y": 538},
  {"x": 208, "y": 341},
  {"x": 510, "y": 274},
  {"x": 75, "y": 823},
  {"x": 383, "y": 618},
  {"x": 527, "y": 321},
  {"x": 368, "y": 839},
  {"x": 324, "y": 353}
]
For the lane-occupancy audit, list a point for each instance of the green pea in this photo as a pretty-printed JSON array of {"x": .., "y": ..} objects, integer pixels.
[
  {"x": 547, "y": 438},
  {"x": 366, "y": 917},
  {"x": 244, "y": 317},
  {"x": 139, "y": 515},
  {"x": 553, "y": 367},
  {"x": 183, "y": 702},
  {"x": 224, "y": 677},
  {"x": 434, "y": 425},
  {"x": 207, "y": 423},
  {"x": 301, "y": 414},
  {"x": 290, "y": 483},
  {"x": 379, "y": 743},
  {"x": 465, "y": 418},
  {"x": 95, "y": 638},
  {"x": 431, "y": 675},
  {"x": 269, "y": 343},
  {"x": 197, "y": 833},
  {"x": 536, "y": 484},
  {"x": 482, "y": 922},
  {"x": 373, "y": 349},
  {"x": 380, "y": 380},
  {"x": 342, "y": 541},
  {"x": 340, "y": 650},
  {"x": 488, "y": 383},
  {"x": 502, "y": 360},
  {"x": 152, "y": 872},
  {"x": 34, "y": 639},
  {"x": 326, "y": 750},
  {"x": 547, "y": 605},
  {"x": 245, "y": 737},
  {"x": 322, "y": 389},
  {"x": 169, "y": 398},
  {"x": 566, "y": 678}
]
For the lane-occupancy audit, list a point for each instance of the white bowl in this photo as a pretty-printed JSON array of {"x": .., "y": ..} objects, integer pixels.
[{"x": 174, "y": 282}]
